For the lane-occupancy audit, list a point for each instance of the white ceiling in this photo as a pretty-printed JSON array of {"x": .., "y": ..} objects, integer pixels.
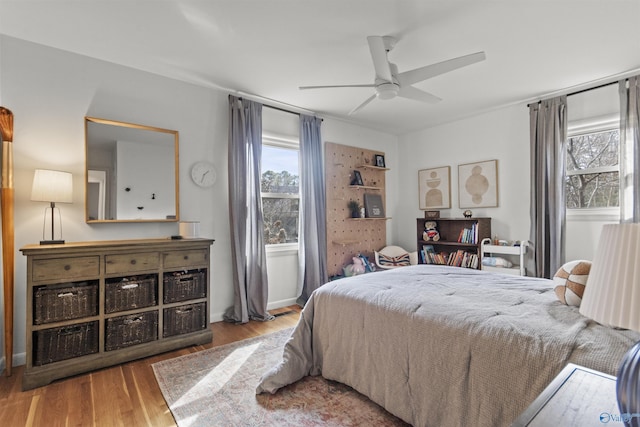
[{"x": 268, "y": 48}]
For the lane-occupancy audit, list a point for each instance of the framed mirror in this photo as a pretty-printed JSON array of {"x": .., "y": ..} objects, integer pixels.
[{"x": 131, "y": 172}]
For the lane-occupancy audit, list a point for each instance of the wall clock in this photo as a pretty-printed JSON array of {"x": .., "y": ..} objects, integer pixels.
[{"x": 203, "y": 174}]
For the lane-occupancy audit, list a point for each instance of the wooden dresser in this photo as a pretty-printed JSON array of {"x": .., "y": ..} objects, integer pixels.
[{"x": 97, "y": 304}]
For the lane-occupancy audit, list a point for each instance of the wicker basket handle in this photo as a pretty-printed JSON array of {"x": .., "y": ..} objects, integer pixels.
[
  {"x": 67, "y": 294},
  {"x": 129, "y": 286}
]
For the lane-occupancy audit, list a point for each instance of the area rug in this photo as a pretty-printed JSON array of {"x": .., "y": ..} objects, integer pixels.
[{"x": 216, "y": 387}]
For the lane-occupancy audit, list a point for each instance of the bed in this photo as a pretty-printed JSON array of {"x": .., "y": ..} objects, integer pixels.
[{"x": 444, "y": 346}]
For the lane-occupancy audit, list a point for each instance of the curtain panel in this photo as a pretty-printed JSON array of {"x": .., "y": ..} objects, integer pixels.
[
  {"x": 548, "y": 132},
  {"x": 629, "y": 91},
  {"x": 248, "y": 254},
  {"x": 313, "y": 229}
]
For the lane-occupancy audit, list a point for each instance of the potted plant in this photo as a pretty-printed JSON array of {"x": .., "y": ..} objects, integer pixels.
[{"x": 354, "y": 207}]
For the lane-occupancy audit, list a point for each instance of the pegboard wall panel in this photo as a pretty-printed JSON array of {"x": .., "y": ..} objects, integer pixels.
[{"x": 346, "y": 236}]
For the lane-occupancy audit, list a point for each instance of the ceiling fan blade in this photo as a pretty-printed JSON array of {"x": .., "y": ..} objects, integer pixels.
[
  {"x": 411, "y": 92},
  {"x": 419, "y": 74},
  {"x": 361, "y": 106},
  {"x": 379, "y": 56},
  {"x": 332, "y": 86}
]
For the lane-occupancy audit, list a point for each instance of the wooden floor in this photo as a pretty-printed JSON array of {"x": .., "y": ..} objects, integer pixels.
[{"x": 124, "y": 395}]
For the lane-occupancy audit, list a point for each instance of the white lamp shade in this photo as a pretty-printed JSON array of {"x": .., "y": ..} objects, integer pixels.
[
  {"x": 612, "y": 293},
  {"x": 52, "y": 186}
]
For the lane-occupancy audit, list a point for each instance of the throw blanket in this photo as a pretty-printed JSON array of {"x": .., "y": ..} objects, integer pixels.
[{"x": 444, "y": 346}]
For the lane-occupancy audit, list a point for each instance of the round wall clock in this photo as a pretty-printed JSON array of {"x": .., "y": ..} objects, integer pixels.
[{"x": 203, "y": 174}]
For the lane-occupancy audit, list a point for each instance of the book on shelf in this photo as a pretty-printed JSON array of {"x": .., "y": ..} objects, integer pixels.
[{"x": 469, "y": 235}]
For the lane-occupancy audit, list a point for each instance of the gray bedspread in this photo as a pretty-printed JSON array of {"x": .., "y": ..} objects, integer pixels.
[{"x": 444, "y": 346}]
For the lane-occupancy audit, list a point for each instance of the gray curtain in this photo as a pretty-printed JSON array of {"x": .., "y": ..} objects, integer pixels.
[
  {"x": 248, "y": 255},
  {"x": 629, "y": 150},
  {"x": 313, "y": 228},
  {"x": 548, "y": 132}
]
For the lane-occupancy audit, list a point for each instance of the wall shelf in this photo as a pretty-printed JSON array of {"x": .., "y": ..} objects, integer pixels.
[
  {"x": 365, "y": 166},
  {"x": 345, "y": 242},
  {"x": 364, "y": 187}
]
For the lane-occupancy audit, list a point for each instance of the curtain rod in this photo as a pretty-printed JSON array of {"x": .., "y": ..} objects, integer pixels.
[
  {"x": 583, "y": 90},
  {"x": 267, "y": 102},
  {"x": 622, "y": 76}
]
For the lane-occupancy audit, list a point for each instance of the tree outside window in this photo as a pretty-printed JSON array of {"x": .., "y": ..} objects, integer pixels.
[
  {"x": 592, "y": 170},
  {"x": 280, "y": 187}
]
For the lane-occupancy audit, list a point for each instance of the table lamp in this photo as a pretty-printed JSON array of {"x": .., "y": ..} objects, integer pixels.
[
  {"x": 612, "y": 297},
  {"x": 53, "y": 187}
]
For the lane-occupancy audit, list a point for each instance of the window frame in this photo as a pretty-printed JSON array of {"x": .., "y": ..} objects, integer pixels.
[
  {"x": 584, "y": 127},
  {"x": 289, "y": 143}
]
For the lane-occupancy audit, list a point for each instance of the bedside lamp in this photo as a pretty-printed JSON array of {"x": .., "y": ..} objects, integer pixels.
[
  {"x": 53, "y": 187},
  {"x": 612, "y": 298}
]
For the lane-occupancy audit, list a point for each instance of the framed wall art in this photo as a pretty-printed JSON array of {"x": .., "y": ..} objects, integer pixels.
[
  {"x": 373, "y": 206},
  {"x": 434, "y": 188},
  {"x": 357, "y": 178},
  {"x": 478, "y": 184},
  {"x": 379, "y": 160}
]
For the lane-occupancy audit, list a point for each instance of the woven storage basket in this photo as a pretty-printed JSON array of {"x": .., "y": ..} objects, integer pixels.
[
  {"x": 126, "y": 293},
  {"x": 184, "y": 319},
  {"x": 67, "y": 342},
  {"x": 65, "y": 302},
  {"x": 183, "y": 286},
  {"x": 125, "y": 331}
]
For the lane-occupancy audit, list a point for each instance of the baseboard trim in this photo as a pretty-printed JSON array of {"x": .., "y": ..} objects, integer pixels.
[{"x": 219, "y": 317}]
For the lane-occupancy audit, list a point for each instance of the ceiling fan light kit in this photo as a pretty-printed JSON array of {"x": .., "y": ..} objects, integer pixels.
[{"x": 389, "y": 83}]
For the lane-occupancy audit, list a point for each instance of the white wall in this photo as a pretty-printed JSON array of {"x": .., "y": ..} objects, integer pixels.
[
  {"x": 503, "y": 135},
  {"x": 51, "y": 91}
]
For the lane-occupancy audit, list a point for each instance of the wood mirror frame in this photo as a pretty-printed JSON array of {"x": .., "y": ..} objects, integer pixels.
[{"x": 131, "y": 172}]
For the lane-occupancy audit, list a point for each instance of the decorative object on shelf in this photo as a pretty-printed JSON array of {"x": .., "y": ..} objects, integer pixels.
[
  {"x": 363, "y": 213},
  {"x": 373, "y": 206},
  {"x": 611, "y": 298},
  {"x": 430, "y": 231},
  {"x": 53, "y": 187},
  {"x": 467, "y": 213},
  {"x": 431, "y": 214},
  {"x": 357, "y": 178},
  {"x": 354, "y": 207},
  {"x": 203, "y": 174},
  {"x": 189, "y": 229},
  {"x": 434, "y": 188},
  {"x": 379, "y": 160},
  {"x": 6, "y": 212},
  {"x": 478, "y": 184}
]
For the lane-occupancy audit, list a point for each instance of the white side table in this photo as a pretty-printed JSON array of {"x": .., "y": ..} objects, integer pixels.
[{"x": 577, "y": 396}]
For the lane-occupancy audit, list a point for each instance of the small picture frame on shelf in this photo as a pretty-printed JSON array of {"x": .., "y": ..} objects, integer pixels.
[
  {"x": 379, "y": 160},
  {"x": 357, "y": 178},
  {"x": 431, "y": 214},
  {"x": 373, "y": 206}
]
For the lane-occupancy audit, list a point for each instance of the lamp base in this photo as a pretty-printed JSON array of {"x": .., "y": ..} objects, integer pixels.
[
  {"x": 52, "y": 242},
  {"x": 628, "y": 386}
]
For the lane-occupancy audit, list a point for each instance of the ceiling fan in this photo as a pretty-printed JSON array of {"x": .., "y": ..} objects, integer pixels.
[{"x": 389, "y": 83}]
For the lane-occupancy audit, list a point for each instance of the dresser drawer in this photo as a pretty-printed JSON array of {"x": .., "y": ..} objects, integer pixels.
[
  {"x": 65, "y": 268},
  {"x": 132, "y": 262},
  {"x": 180, "y": 259}
]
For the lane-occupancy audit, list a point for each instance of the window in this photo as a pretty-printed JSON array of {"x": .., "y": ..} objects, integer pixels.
[
  {"x": 280, "y": 190},
  {"x": 592, "y": 168}
]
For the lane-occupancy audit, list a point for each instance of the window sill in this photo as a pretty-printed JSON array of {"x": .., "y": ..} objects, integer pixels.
[
  {"x": 595, "y": 214},
  {"x": 282, "y": 249}
]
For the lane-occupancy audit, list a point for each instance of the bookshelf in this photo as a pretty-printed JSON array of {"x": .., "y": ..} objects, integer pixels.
[{"x": 456, "y": 246}]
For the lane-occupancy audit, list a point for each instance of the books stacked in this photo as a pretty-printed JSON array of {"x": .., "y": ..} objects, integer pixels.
[
  {"x": 469, "y": 235},
  {"x": 458, "y": 258}
]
